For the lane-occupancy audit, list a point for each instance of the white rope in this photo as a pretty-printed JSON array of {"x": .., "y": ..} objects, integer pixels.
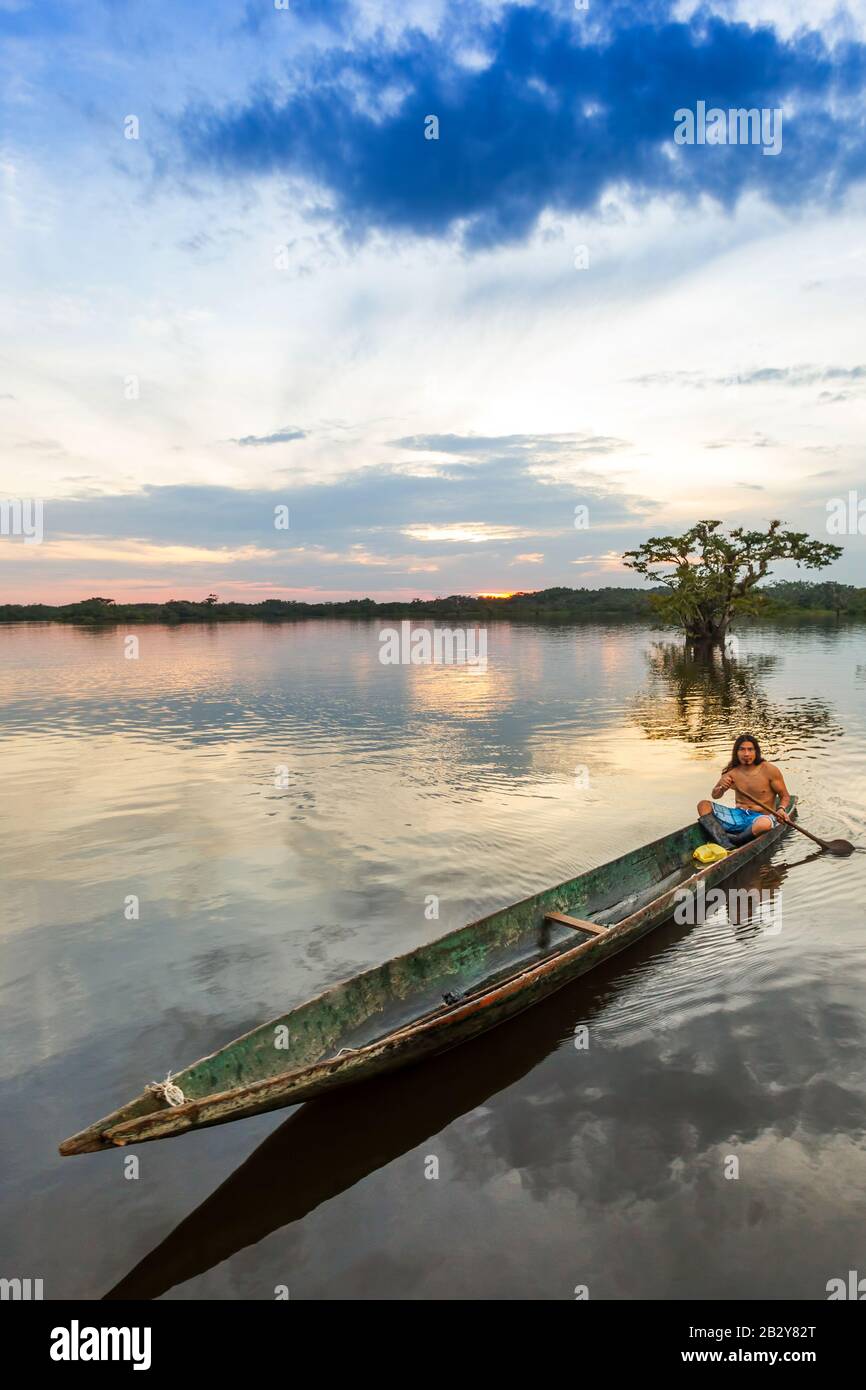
[{"x": 166, "y": 1091}]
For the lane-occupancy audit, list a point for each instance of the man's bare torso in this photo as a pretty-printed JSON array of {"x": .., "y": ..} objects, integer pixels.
[{"x": 756, "y": 780}]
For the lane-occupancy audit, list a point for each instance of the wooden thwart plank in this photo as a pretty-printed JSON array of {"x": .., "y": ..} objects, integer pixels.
[{"x": 577, "y": 922}]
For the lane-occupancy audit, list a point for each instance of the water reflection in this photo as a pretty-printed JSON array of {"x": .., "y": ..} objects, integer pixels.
[
  {"x": 707, "y": 700},
  {"x": 157, "y": 778},
  {"x": 328, "y": 1146}
]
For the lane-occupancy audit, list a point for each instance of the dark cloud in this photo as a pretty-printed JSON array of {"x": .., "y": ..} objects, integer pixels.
[
  {"x": 373, "y": 506},
  {"x": 564, "y": 111},
  {"x": 367, "y": 532}
]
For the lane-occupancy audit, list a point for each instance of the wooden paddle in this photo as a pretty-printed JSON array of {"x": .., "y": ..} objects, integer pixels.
[{"x": 839, "y": 847}]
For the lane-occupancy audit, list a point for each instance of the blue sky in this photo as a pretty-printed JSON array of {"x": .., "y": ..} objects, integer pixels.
[{"x": 431, "y": 350}]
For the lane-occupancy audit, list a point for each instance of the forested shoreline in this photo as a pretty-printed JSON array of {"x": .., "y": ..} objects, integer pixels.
[{"x": 778, "y": 600}]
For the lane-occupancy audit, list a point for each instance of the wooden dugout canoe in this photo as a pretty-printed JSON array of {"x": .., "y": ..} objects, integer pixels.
[{"x": 432, "y": 998}]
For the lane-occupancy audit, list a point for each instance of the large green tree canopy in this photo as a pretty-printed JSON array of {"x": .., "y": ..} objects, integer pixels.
[{"x": 710, "y": 577}]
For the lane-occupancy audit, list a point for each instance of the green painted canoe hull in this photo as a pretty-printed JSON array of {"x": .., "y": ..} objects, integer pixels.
[{"x": 397, "y": 1013}]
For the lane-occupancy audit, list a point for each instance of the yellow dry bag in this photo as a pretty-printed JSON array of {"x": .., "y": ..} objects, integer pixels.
[{"x": 709, "y": 854}]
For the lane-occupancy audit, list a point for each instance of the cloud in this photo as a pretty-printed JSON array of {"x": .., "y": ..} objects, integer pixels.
[
  {"x": 510, "y": 445},
  {"x": 610, "y": 560},
  {"x": 494, "y": 492},
  {"x": 41, "y": 446},
  {"x": 347, "y": 529},
  {"x": 283, "y": 435},
  {"x": 466, "y": 532},
  {"x": 558, "y": 113},
  {"x": 804, "y": 375},
  {"x": 140, "y": 552},
  {"x": 756, "y": 440}
]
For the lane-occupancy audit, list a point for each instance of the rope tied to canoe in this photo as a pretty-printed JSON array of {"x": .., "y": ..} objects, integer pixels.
[{"x": 166, "y": 1091}]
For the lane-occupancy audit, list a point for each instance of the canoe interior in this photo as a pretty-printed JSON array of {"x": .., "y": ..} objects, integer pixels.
[{"x": 389, "y": 996}]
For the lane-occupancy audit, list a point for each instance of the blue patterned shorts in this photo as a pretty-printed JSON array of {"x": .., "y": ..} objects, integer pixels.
[{"x": 737, "y": 818}]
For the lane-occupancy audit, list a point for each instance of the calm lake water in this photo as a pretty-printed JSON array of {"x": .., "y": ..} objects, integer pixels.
[{"x": 558, "y": 1167}]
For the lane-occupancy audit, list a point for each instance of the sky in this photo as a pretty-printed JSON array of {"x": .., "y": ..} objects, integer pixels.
[{"x": 423, "y": 278}]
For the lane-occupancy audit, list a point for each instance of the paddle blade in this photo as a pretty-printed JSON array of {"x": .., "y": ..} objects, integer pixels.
[{"x": 840, "y": 847}]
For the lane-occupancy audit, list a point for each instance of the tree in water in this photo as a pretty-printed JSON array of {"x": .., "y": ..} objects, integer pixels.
[{"x": 711, "y": 578}]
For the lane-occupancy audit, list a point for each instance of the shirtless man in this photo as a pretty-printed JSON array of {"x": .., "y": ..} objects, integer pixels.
[{"x": 747, "y": 771}]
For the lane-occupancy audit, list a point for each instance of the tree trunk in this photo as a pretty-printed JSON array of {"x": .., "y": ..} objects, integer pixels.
[
  {"x": 708, "y": 629},
  {"x": 707, "y": 635}
]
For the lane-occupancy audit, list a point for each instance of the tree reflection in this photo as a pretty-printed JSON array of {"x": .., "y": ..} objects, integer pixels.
[{"x": 709, "y": 699}]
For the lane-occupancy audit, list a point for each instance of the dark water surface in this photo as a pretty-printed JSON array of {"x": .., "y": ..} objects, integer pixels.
[{"x": 558, "y": 1167}]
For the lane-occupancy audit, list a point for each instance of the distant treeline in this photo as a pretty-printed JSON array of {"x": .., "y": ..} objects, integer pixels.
[{"x": 787, "y": 598}]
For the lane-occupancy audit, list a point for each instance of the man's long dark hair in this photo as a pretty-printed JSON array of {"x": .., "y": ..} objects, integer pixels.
[{"x": 738, "y": 742}]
